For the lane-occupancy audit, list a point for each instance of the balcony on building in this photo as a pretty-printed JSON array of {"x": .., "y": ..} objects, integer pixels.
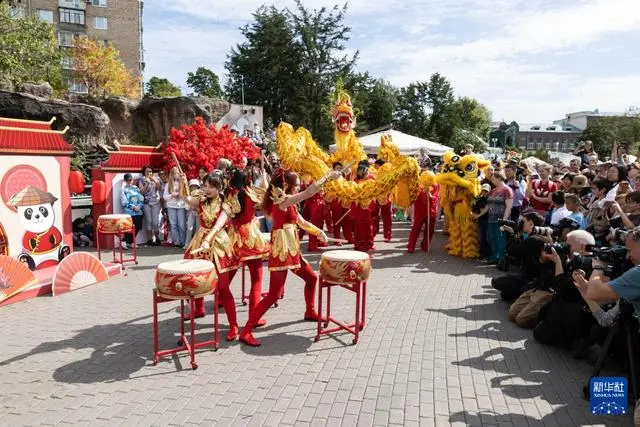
[{"x": 73, "y": 4}]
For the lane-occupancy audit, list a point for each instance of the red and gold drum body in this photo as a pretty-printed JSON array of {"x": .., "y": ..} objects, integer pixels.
[
  {"x": 114, "y": 224},
  {"x": 185, "y": 278},
  {"x": 343, "y": 267}
]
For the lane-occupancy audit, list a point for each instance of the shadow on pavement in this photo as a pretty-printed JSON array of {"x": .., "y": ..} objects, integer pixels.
[{"x": 120, "y": 349}]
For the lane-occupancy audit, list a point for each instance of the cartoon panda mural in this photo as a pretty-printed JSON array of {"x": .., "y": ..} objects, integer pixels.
[{"x": 42, "y": 242}]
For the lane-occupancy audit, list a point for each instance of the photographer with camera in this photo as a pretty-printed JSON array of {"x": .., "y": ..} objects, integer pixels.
[
  {"x": 564, "y": 320},
  {"x": 599, "y": 287}
]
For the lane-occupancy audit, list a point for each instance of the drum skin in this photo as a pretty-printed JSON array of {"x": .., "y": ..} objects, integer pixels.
[
  {"x": 185, "y": 278},
  {"x": 114, "y": 224},
  {"x": 345, "y": 267}
]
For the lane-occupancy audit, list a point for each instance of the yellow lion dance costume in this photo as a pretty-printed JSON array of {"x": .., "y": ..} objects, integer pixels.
[
  {"x": 299, "y": 152},
  {"x": 459, "y": 178}
]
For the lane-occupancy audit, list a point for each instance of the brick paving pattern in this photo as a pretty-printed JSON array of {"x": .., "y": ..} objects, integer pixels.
[{"x": 437, "y": 350}]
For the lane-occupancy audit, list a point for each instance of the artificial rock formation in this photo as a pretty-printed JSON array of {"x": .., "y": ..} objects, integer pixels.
[
  {"x": 153, "y": 118},
  {"x": 84, "y": 121},
  {"x": 101, "y": 121}
]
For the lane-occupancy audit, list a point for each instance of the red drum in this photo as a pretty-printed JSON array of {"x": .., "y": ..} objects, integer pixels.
[
  {"x": 185, "y": 278},
  {"x": 114, "y": 224},
  {"x": 343, "y": 267}
]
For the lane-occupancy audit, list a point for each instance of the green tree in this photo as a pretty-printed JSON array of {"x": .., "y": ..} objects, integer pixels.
[
  {"x": 321, "y": 35},
  {"x": 28, "y": 50},
  {"x": 205, "y": 82},
  {"x": 289, "y": 64},
  {"x": 439, "y": 99},
  {"x": 161, "y": 87},
  {"x": 605, "y": 131},
  {"x": 380, "y": 105},
  {"x": 468, "y": 115},
  {"x": 461, "y": 137},
  {"x": 411, "y": 110},
  {"x": 266, "y": 65}
]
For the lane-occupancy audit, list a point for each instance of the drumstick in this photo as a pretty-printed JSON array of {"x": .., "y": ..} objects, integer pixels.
[
  {"x": 197, "y": 251},
  {"x": 334, "y": 240},
  {"x": 175, "y": 159},
  {"x": 343, "y": 216}
]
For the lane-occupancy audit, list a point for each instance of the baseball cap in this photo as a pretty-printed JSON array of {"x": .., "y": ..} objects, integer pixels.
[
  {"x": 194, "y": 182},
  {"x": 485, "y": 187}
]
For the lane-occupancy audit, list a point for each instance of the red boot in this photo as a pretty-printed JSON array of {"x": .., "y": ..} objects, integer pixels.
[{"x": 248, "y": 338}]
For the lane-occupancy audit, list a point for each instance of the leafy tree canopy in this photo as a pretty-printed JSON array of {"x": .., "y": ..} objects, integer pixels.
[
  {"x": 102, "y": 70},
  {"x": 605, "y": 131},
  {"x": 289, "y": 63},
  {"x": 205, "y": 82},
  {"x": 28, "y": 50},
  {"x": 161, "y": 87}
]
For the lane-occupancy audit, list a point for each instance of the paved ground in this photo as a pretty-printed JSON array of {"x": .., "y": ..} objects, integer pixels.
[{"x": 437, "y": 350}]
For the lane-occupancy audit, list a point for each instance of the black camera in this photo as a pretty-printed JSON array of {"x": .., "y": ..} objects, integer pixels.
[
  {"x": 614, "y": 256},
  {"x": 562, "y": 249}
]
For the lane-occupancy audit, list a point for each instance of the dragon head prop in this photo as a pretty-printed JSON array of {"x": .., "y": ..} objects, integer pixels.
[
  {"x": 342, "y": 113},
  {"x": 462, "y": 171}
]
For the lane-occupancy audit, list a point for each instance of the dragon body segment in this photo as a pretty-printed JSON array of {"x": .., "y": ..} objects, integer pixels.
[{"x": 299, "y": 152}]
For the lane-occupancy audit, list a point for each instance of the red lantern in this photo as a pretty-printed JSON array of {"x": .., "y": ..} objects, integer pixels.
[
  {"x": 76, "y": 182},
  {"x": 98, "y": 192}
]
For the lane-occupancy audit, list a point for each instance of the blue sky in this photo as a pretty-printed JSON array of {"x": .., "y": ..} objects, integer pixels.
[{"x": 526, "y": 60}]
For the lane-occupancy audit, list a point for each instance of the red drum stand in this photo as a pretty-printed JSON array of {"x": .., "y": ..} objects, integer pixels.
[
  {"x": 184, "y": 344},
  {"x": 360, "y": 289},
  {"x": 122, "y": 260}
]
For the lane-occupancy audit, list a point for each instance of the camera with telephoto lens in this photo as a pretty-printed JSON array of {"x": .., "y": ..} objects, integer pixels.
[
  {"x": 614, "y": 256},
  {"x": 562, "y": 249},
  {"x": 542, "y": 231}
]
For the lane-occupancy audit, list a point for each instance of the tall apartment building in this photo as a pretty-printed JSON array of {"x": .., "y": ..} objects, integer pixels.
[{"x": 115, "y": 21}]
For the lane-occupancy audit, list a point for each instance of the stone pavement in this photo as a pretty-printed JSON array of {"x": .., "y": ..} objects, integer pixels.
[{"x": 437, "y": 350}]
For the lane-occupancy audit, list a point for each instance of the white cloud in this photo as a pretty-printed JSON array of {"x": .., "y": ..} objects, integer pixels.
[{"x": 405, "y": 41}]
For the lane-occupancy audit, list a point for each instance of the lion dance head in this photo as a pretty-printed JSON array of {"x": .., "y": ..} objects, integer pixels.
[{"x": 462, "y": 171}]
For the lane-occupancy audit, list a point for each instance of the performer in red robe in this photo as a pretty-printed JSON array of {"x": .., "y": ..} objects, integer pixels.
[
  {"x": 313, "y": 211},
  {"x": 424, "y": 213},
  {"x": 362, "y": 217},
  {"x": 383, "y": 211},
  {"x": 340, "y": 213},
  {"x": 214, "y": 214},
  {"x": 280, "y": 202},
  {"x": 249, "y": 243}
]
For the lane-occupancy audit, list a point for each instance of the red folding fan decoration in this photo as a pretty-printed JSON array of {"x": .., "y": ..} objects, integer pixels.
[{"x": 78, "y": 270}]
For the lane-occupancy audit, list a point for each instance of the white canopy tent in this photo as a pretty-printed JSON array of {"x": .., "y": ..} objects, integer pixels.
[{"x": 407, "y": 144}]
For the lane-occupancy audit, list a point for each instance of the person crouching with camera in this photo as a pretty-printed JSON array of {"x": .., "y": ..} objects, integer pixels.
[
  {"x": 565, "y": 320},
  {"x": 601, "y": 289}
]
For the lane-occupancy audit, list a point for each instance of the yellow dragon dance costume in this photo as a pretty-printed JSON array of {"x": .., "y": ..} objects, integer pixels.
[
  {"x": 300, "y": 153},
  {"x": 459, "y": 178}
]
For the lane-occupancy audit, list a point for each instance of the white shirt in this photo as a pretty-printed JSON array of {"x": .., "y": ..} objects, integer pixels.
[
  {"x": 171, "y": 201},
  {"x": 558, "y": 214}
]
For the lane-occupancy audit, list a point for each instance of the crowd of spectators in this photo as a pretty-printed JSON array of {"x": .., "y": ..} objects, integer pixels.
[{"x": 568, "y": 238}]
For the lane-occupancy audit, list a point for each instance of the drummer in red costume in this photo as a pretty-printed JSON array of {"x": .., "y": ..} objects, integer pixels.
[
  {"x": 249, "y": 244},
  {"x": 362, "y": 218},
  {"x": 212, "y": 243},
  {"x": 280, "y": 203},
  {"x": 383, "y": 211},
  {"x": 339, "y": 213},
  {"x": 424, "y": 212}
]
